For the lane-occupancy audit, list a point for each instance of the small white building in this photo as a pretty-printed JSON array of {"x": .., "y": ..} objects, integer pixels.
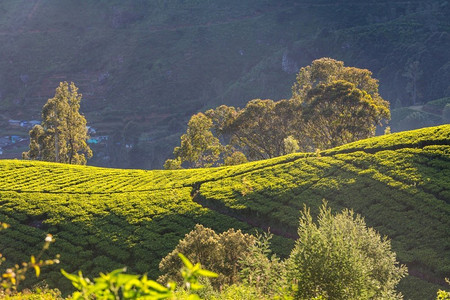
[{"x": 14, "y": 123}]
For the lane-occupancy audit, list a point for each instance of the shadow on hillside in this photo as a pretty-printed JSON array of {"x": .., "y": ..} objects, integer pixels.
[{"x": 403, "y": 198}]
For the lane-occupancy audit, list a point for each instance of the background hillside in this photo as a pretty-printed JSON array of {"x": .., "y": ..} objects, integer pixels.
[
  {"x": 144, "y": 67},
  {"x": 103, "y": 219}
]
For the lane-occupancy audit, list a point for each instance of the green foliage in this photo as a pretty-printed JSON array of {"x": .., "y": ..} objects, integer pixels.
[
  {"x": 438, "y": 135},
  {"x": 331, "y": 105},
  {"x": 339, "y": 113},
  {"x": 13, "y": 276},
  {"x": 290, "y": 145},
  {"x": 443, "y": 295},
  {"x": 238, "y": 292},
  {"x": 120, "y": 285},
  {"x": 262, "y": 271},
  {"x": 198, "y": 147},
  {"x": 217, "y": 252},
  {"x": 63, "y": 134},
  {"x": 261, "y": 128},
  {"x": 104, "y": 219},
  {"x": 341, "y": 104},
  {"x": 327, "y": 70},
  {"x": 35, "y": 294},
  {"x": 236, "y": 158},
  {"x": 340, "y": 258}
]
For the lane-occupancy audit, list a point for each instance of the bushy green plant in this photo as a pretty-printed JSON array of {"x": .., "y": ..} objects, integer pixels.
[
  {"x": 263, "y": 271},
  {"x": 217, "y": 252},
  {"x": 443, "y": 295},
  {"x": 119, "y": 285},
  {"x": 340, "y": 258}
]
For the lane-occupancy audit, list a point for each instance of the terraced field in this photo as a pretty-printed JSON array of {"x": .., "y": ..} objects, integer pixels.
[{"x": 107, "y": 218}]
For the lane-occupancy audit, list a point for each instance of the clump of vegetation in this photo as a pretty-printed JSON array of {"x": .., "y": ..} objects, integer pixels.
[
  {"x": 62, "y": 136},
  {"x": 331, "y": 105},
  {"x": 217, "y": 252},
  {"x": 340, "y": 258},
  {"x": 119, "y": 285},
  {"x": 264, "y": 272}
]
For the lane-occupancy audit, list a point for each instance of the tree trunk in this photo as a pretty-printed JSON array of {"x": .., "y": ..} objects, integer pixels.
[{"x": 56, "y": 147}]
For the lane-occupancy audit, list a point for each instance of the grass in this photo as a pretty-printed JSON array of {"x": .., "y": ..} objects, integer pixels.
[{"x": 108, "y": 218}]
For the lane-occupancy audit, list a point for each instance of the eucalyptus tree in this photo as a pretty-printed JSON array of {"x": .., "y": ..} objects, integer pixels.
[{"x": 62, "y": 136}]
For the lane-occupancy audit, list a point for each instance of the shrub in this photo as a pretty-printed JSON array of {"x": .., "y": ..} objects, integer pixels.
[
  {"x": 219, "y": 253},
  {"x": 119, "y": 285},
  {"x": 262, "y": 271},
  {"x": 340, "y": 258}
]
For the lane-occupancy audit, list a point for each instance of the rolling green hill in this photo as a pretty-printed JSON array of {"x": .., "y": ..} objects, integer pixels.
[{"x": 107, "y": 218}]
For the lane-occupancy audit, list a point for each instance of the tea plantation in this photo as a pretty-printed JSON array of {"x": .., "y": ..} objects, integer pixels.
[{"x": 108, "y": 218}]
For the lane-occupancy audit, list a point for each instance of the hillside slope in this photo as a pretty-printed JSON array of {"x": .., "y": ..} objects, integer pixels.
[{"x": 107, "y": 218}]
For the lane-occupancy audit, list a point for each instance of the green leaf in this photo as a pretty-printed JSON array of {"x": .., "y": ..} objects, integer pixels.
[
  {"x": 71, "y": 277},
  {"x": 156, "y": 286},
  {"x": 196, "y": 267},
  {"x": 123, "y": 279},
  {"x": 196, "y": 286},
  {"x": 38, "y": 270},
  {"x": 186, "y": 261},
  {"x": 207, "y": 273}
]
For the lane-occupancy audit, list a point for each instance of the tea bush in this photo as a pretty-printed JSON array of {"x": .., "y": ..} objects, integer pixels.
[{"x": 104, "y": 219}]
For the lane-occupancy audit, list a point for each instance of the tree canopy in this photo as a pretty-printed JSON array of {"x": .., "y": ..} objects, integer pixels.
[
  {"x": 199, "y": 147},
  {"x": 339, "y": 113},
  {"x": 331, "y": 105},
  {"x": 62, "y": 135}
]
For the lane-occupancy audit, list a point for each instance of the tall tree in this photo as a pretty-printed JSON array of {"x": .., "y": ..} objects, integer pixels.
[
  {"x": 63, "y": 134},
  {"x": 339, "y": 113},
  {"x": 260, "y": 129},
  {"x": 326, "y": 70},
  {"x": 340, "y": 104},
  {"x": 199, "y": 147},
  {"x": 331, "y": 105}
]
